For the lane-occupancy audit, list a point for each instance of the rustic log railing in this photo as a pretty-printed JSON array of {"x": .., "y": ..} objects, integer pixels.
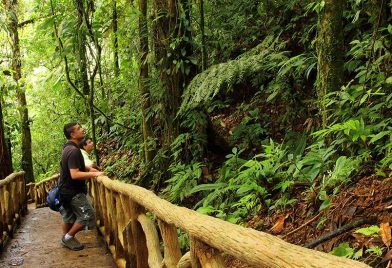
[
  {"x": 132, "y": 237},
  {"x": 13, "y": 205},
  {"x": 30, "y": 192},
  {"x": 42, "y": 188}
]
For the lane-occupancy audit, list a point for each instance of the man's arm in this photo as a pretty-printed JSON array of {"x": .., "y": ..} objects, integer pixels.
[{"x": 76, "y": 174}]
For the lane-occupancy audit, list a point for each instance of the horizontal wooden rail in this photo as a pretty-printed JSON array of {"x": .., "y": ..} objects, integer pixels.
[
  {"x": 42, "y": 188},
  {"x": 12, "y": 205},
  {"x": 134, "y": 241}
]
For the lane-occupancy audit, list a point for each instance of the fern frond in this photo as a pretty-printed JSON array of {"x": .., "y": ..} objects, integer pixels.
[{"x": 206, "y": 85}]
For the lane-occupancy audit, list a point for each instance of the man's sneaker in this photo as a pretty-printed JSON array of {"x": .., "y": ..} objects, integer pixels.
[{"x": 72, "y": 244}]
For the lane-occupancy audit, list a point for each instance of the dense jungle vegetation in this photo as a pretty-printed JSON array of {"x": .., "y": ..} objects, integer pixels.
[{"x": 265, "y": 113}]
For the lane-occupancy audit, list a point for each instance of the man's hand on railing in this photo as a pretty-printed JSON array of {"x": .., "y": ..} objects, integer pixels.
[{"x": 98, "y": 173}]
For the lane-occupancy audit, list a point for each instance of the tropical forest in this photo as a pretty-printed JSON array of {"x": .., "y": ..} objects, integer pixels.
[{"x": 269, "y": 114}]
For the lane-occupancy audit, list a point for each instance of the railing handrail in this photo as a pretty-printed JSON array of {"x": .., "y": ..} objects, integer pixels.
[
  {"x": 41, "y": 190},
  {"x": 254, "y": 247},
  {"x": 56, "y": 176},
  {"x": 11, "y": 177},
  {"x": 12, "y": 204}
]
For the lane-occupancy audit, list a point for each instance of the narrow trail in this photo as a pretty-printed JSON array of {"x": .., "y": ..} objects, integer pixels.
[{"x": 36, "y": 244}]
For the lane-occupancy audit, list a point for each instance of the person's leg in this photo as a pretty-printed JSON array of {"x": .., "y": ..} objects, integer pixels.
[
  {"x": 85, "y": 214},
  {"x": 69, "y": 218},
  {"x": 76, "y": 227},
  {"x": 66, "y": 227}
]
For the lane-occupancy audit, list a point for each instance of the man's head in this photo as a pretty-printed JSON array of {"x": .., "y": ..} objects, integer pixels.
[
  {"x": 73, "y": 131},
  {"x": 86, "y": 144}
]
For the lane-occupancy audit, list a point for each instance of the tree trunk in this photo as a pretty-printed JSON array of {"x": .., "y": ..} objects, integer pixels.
[
  {"x": 166, "y": 14},
  {"x": 92, "y": 119},
  {"x": 203, "y": 37},
  {"x": 81, "y": 56},
  {"x": 5, "y": 157},
  {"x": 27, "y": 160},
  {"x": 115, "y": 40},
  {"x": 330, "y": 52},
  {"x": 172, "y": 37},
  {"x": 143, "y": 75}
]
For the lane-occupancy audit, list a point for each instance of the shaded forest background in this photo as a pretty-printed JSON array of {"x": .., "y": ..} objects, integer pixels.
[{"x": 248, "y": 110}]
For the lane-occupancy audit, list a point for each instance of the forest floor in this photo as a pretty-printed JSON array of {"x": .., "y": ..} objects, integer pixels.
[{"x": 367, "y": 202}]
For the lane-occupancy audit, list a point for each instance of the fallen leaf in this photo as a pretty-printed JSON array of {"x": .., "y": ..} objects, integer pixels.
[
  {"x": 278, "y": 226},
  {"x": 385, "y": 233},
  {"x": 387, "y": 256}
]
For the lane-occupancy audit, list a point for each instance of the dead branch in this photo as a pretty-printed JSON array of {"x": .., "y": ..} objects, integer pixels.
[{"x": 339, "y": 231}]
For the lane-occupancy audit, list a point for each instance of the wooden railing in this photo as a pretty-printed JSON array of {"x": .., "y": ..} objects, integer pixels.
[
  {"x": 42, "y": 188},
  {"x": 13, "y": 205},
  {"x": 132, "y": 237}
]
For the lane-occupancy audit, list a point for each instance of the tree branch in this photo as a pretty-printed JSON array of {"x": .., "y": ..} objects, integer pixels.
[
  {"x": 68, "y": 76},
  {"x": 24, "y": 23},
  {"x": 341, "y": 230}
]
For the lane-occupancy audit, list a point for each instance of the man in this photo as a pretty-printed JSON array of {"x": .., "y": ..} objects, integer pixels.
[
  {"x": 77, "y": 212},
  {"x": 86, "y": 146}
]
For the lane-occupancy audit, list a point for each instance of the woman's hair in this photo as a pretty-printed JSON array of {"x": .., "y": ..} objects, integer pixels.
[{"x": 83, "y": 142}]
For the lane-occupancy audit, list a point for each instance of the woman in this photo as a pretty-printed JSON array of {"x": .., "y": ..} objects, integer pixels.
[{"x": 86, "y": 146}]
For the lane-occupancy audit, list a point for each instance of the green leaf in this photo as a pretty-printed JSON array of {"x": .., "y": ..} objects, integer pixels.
[
  {"x": 343, "y": 250},
  {"x": 244, "y": 189},
  {"x": 358, "y": 254},
  {"x": 325, "y": 204},
  {"x": 207, "y": 187},
  {"x": 373, "y": 230},
  {"x": 379, "y": 136}
]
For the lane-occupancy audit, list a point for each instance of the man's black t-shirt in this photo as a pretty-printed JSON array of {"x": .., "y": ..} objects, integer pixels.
[{"x": 71, "y": 158}]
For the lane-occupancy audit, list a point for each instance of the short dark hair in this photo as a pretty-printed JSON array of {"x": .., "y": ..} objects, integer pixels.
[
  {"x": 69, "y": 128},
  {"x": 83, "y": 142}
]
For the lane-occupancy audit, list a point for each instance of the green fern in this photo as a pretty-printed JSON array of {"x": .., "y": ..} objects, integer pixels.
[{"x": 206, "y": 85}]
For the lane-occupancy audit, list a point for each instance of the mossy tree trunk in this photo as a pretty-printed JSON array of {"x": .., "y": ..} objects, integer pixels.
[
  {"x": 203, "y": 37},
  {"x": 172, "y": 51},
  {"x": 115, "y": 39},
  {"x": 165, "y": 24},
  {"x": 81, "y": 45},
  {"x": 87, "y": 81},
  {"x": 116, "y": 64},
  {"x": 16, "y": 65},
  {"x": 143, "y": 75},
  {"x": 329, "y": 52},
  {"x": 5, "y": 157}
]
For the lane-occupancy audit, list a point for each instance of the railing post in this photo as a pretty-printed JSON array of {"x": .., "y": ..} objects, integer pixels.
[
  {"x": 139, "y": 239},
  {"x": 172, "y": 252},
  {"x": 129, "y": 245},
  {"x": 208, "y": 256},
  {"x": 193, "y": 251}
]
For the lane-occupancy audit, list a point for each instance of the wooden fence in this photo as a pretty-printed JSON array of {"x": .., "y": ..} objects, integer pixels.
[
  {"x": 13, "y": 205},
  {"x": 133, "y": 238},
  {"x": 41, "y": 190}
]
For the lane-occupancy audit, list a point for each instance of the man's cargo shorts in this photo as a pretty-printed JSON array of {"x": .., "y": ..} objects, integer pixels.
[{"x": 79, "y": 211}]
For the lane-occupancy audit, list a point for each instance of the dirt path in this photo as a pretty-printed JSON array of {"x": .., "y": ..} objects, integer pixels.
[{"x": 36, "y": 244}]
